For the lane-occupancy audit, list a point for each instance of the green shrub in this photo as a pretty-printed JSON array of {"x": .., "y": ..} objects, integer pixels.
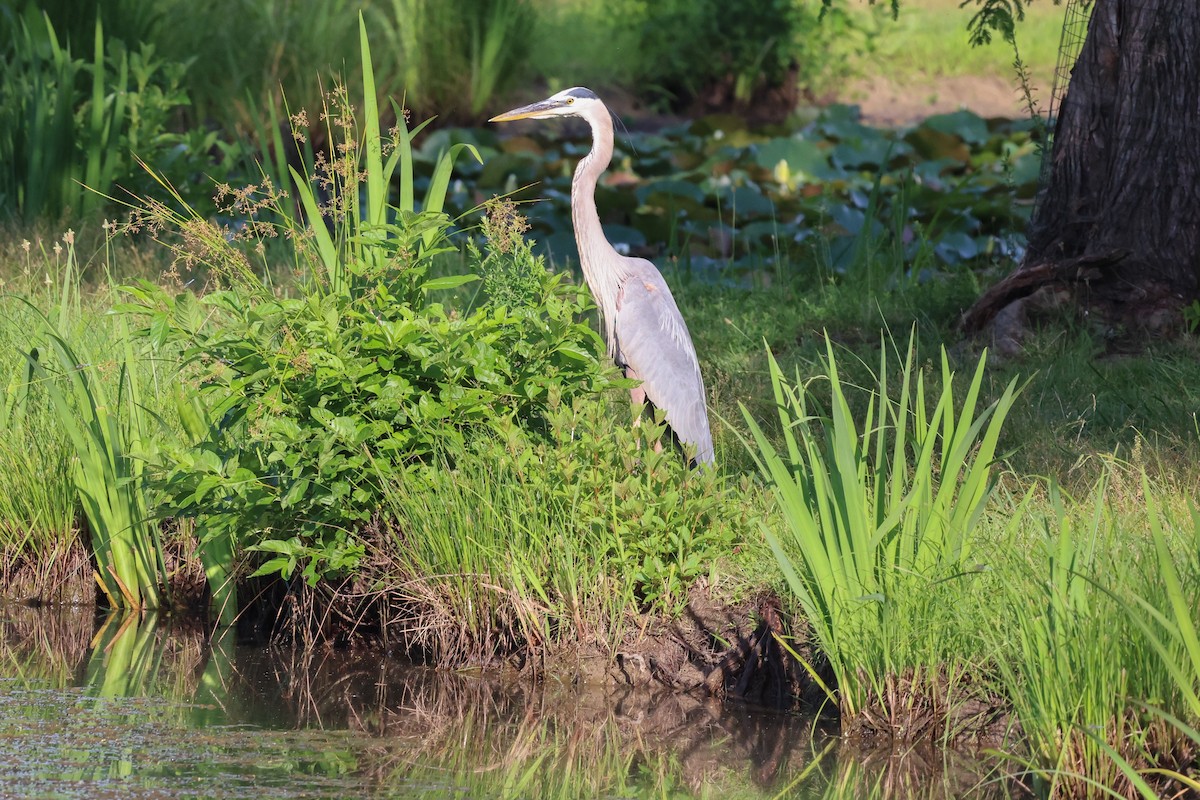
[
  {"x": 312, "y": 403},
  {"x": 556, "y": 520},
  {"x": 731, "y": 54}
]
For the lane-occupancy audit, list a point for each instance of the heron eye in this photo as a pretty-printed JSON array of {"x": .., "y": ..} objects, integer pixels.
[{"x": 570, "y": 100}]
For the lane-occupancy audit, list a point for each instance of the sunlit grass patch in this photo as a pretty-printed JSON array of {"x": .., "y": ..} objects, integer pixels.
[
  {"x": 1086, "y": 641},
  {"x": 930, "y": 39},
  {"x": 881, "y": 513},
  {"x": 534, "y": 544}
]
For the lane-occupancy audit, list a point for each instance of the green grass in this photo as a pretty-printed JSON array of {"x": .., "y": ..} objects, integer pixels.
[
  {"x": 1091, "y": 393},
  {"x": 927, "y": 572},
  {"x": 929, "y": 39},
  {"x": 878, "y": 518},
  {"x": 526, "y": 576},
  {"x": 535, "y": 547},
  {"x": 74, "y": 425},
  {"x": 1085, "y": 659}
]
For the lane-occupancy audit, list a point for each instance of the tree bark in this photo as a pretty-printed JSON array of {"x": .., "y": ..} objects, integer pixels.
[{"x": 1118, "y": 221}]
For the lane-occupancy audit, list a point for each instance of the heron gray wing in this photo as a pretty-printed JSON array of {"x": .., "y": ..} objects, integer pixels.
[{"x": 652, "y": 340}]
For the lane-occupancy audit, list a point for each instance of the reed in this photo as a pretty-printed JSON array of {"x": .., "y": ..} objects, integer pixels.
[
  {"x": 877, "y": 519},
  {"x": 1165, "y": 615},
  {"x": 80, "y": 412},
  {"x": 1087, "y": 645},
  {"x": 103, "y": 430}
]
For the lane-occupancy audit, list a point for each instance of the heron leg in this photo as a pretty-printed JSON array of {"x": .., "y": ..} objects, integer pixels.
[{"x": 637, "y": 396}]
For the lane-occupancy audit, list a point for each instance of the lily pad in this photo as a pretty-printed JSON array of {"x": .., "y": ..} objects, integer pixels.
[
  {"x": 804, "y": 159},
  {"x": 673, "y": 188},
  {"x": 746, "y": 201},
  {"x": 953, "y": 248},
  {"x": 842, "y": 121},
  {"x": 498, "y": 168},
  {"x": 873, "y": 152},
  {"x": 932, "y": 144},
  {"x": 966, "y": 125},
  {"x": 725, "y": 123},
  {"x": 623, "y": 237}
]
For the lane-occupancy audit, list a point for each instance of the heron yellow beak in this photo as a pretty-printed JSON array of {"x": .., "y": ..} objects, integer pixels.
[{"x": 538, "y": 110}]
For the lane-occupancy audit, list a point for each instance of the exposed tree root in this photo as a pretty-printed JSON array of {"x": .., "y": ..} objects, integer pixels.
[{"x": 1090, "y": 287}]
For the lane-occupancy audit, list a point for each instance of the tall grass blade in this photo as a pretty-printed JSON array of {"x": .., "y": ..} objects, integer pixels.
[
  {"x": 876, "y": 515},
  {"x": 108, "y": 478},
  {"x": 377, "y": 184}
]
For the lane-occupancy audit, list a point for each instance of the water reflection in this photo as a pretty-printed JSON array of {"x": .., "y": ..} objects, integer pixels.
[{"x": 131, "y": 708}]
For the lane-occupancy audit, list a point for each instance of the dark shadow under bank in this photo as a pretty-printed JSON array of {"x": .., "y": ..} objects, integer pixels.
[
  {"x": 711, "y": 649},
  {"x": 384, "y": 723}
]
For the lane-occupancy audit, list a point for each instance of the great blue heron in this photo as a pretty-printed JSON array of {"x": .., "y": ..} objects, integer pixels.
[{"x": 645, "y": 332}]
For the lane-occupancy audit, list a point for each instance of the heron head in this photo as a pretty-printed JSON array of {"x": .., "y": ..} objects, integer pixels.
[{"x": 574, "y": 102}]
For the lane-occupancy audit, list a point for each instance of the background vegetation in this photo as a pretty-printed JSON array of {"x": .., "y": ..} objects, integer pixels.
[{"x": 305, "y": 356}]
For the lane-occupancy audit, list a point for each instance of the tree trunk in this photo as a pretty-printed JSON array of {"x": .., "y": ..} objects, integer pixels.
[{"x": 1118, "y": 222}]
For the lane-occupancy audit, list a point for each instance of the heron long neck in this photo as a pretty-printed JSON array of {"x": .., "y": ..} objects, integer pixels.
[{"x": 601, "y": 263}]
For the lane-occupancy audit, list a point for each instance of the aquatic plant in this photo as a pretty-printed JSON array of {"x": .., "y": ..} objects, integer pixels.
[
  {"x": 37, "y": 494},
  {"x": 1167, "y": 623},
  {"x": 877, "y": 519},
  {"x": 102, "y": 430},
  {"x": 1086, "y": 647},
  {"x": 1059, "y": 651},
  {"x": 550, "y": 540}
]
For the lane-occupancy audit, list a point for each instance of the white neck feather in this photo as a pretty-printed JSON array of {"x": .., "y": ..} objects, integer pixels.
[{"x": 602, "y": 265}]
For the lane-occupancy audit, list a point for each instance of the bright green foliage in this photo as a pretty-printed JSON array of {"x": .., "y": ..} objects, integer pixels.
[
  {"x": 103, "y": 430},
  {"x": 537, "y": 539},
  {"x": 876, "y": 518},
  {"x": 37, "y": 495},
  {"x": 100, "y": 415},
  {"x": 1165, "y": 615},
  {"x": 312, "y": 404},
  {"x": 512, "y": 275},
  {"x": 1058, "y": 653},
  {"x": 312, "y": 399},
  {"x": 1171, "y": 626},
  {"x": 68, "y": 126},
  {"x": 1095, "y": 642}
]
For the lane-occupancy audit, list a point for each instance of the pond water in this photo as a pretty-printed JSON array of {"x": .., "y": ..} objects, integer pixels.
[{"x": 124, "y": 708}]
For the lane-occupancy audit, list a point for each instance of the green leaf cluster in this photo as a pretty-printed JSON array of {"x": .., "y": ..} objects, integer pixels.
[
  {"x": 68, "y": 124},
  {"x": 879, "y": 514},
  {"x": 308, "y": 405}
]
